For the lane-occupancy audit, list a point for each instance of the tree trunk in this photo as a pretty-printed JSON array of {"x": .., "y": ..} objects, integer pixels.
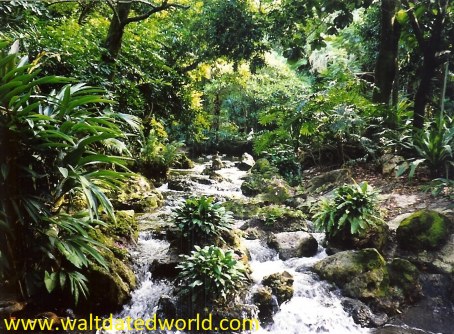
[
  {"x": 116, "y": 30},
  {"x": 422, "y": 95},
  {"x": 386, "y": 66}
]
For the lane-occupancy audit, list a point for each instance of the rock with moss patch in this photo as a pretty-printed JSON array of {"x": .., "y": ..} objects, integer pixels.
[
  {"x": 293, "y": 244},
  {"x": 110, "y": 287},
  {"x": 125, "y": 226},
  {"x": 183, "y": 162},
  {"x": 137, "y": 194},
  {"x": 423, "y": 230},
  {"x": 374, "y": 236},
  {"x": 361, "y": 274},
  {"x": 404, "y": 279},
  {"x": 266, "y": 303},
  {"x": 328, "y": 181},
  {"x": 281, "y": 285}
]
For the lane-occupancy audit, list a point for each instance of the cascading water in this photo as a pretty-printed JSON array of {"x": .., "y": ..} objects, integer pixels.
[{"x": 314, "y": 308}]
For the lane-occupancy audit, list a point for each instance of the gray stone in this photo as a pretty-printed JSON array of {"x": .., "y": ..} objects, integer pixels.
[
  {"x": 294, "y": 244},
  {"x": 246, "y": 162},
  {"x": 328, "y": 181}
]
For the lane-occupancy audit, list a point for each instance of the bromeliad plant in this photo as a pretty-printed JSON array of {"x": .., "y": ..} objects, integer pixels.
[
  {"x": 352, "y": 210},
  {"x": 210, "y": 274},
  {"x": 55, "y": 148},
  {"x": 202, "y": 220}
]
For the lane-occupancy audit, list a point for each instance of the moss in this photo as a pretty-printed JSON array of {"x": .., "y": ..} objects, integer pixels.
[
  {"x": 423, "y": 230},
  {"x": 281, "y": 284},
  {"x": 362, "y": 274},
  {"x": 243, "y": 209},
  {"x": 404, "y": 278}
]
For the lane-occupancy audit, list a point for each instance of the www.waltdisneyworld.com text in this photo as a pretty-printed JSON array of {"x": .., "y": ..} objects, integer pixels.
[{"x": 124, "y": 324}]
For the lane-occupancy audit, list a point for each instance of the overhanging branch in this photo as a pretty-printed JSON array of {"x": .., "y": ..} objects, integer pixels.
[{"x": 155, "y": 9}]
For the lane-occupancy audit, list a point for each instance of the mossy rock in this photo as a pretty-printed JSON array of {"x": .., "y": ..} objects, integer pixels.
[
  {"x": 273, "y": 189},
  {"x": 263, "y": 166},
  {"x": 137, "y": 194},
  {"x": 423, "y": 230},
  {"x": 373, "y": 236},
  {"x": 125, "y": 226},
  {"x": 281, "y": 284},
  {"x": 267, "y": 305},
  {"x": 243, "y": 208},
  {"x": 183, "y": 162},
  {"x": 110, "y": 288},
  {"x": 361, "y": 274},
  {"x": 404, "y": 278}
]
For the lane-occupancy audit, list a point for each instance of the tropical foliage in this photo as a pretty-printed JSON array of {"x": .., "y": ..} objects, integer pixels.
[
  {"x": 202, "y": 220},
  {"x": 211, "y": 273},
  {"x": 352, "y": 210},
  {"x": 56, "y": 147}
]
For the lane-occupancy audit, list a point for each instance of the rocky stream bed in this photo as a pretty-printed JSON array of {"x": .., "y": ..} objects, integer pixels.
[{"x": 298, "y": 285}]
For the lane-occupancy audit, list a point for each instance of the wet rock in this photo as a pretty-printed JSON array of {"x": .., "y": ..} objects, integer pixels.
[
  {"x": 246, "y": 162},
  {"x": 137, "y": 194},
  {"x": 293, "y": 244},
  {"x": 374, "y": 236},
  {"x": 423, "y": 230},
  {"x": 216, "y": 163},
  {"x": 362, "y": 314},
  {"x": 328, "y": 181},
  {"x": 110, "y": 287},
  {"x": 180, "y": 184},
  {"x": 165, "y": 267},
  {"x": 166, "y": 308},
  {"x": 263, "y": 166},
  {"x": 183, "y": 162},
  {"x": 202, "y": 180},
  {"x": 267, "y": 303},
  {"x": 281, "y": 285},
  {"x": 404, "y": 280},
  {"x": 216, "y": 177},
  {"x": 437, "y": 261},
  {"x": 361, "y": 274}
]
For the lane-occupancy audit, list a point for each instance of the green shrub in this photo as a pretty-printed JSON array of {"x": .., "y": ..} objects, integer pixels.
[
  {"x": 156, "y": 156},
  {"x": 211, "y": 274},
  {"x": 202, "y": 220},
  {"x": 55, "y": 148},
  {"x": 352, "y": 210}
]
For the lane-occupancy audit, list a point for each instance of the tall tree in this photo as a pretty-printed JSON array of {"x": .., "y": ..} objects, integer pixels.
[
  {"x": 121, "y": 18},
  {"x": 428, "y": 22},
  {"x": 386, "y": 69}
]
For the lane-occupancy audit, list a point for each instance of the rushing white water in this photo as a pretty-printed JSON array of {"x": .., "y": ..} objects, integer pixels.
[{"x": 314, "y": 308}]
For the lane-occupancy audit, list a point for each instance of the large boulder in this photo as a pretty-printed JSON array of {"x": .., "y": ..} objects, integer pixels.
[
  {"x": 110, "y": 288},
  {"x": 246, "y": 162},
  {"x": 360, "y": 274},
  {"x": 294, "y": 244},
  {"x": 374, "y": 236},
  {"x": 423, "y": 230},
  {"x": 137, "y": 194},
  {"x": 180, "y": 184},
  {"x": 183, "y": 162},
  {"x": 404, "y": 280},
  {"x": 281, "y": 285},
  {"x": 390, "y": 163},
  {"x": 328, "y": 181}
]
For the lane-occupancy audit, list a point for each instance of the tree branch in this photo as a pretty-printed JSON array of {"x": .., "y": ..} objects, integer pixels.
[
  {"x": 155, "y": 9},
  {"x": 415, "y": 25}
]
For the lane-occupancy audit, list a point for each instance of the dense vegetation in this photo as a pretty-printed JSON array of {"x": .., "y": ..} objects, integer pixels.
[{"x": 303, "y": 82}]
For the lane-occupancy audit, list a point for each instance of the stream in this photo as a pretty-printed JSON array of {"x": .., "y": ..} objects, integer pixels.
[{"x": 315, "y": 306}]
